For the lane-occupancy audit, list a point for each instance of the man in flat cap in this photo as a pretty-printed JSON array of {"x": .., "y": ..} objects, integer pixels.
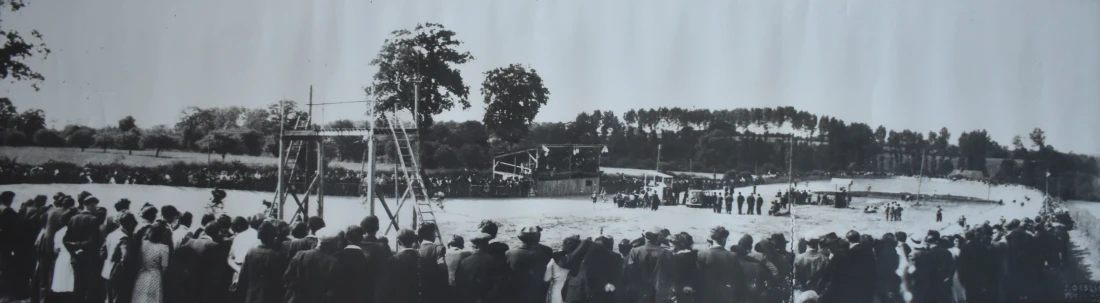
[
  {"x": 593, "y": 272},
  {"x": 808, "y": 264},
  {"x": 720, "y": 278},
  {"x": 399, "y": 280},
  {"x": 651, "y": 270},
  {"x": 783, "y": 261},
  {"x": 313, "y": 274},
  {"x": 528, "y": 263},
  {"x": 433, "y": 265},
  {"x": 481, "y": 276},
  {"x": 83, "y": 241}
]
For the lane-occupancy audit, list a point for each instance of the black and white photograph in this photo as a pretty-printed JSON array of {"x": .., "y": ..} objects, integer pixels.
[{"x": 535, "y": 151}]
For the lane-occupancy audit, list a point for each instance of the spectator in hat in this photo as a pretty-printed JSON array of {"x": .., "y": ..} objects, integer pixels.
[
  {"x": 204, "y": 256},
  {"x": 356, "y": 272},
  {"x": 83, "y": 241},
  {"x": 263, "y": 268},
  {"x": 481, "y": 276},
  {"x": 433, "y": 264},
  {"x": 650, "y": 268},
  {"x": 182, "y": 231},
  {"x": 528, "y": 263},
  {"x": 593, "y": 270},
  {"x": 401, "y": 282},
  {"x": 455, "y": 252},
  {"x": 684, "y": 259},
  {"x": 864, "y": 257},
  {"x": 301, "y": 240},
  {"x": 116, "y": 270},
  {"x": 496, "y": 248},
  {"x": 556, "y": 272},
  {"x": 10, "y": 235},
  {"x": 314, "y": 274},
  {"x": 719, "y": 273},
  {"x": 933, "y": 268},
  {"x": 808, "y": 264}
]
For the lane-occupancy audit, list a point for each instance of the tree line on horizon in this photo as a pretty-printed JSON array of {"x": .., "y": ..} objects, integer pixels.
[{"x": 421, "y": 62}]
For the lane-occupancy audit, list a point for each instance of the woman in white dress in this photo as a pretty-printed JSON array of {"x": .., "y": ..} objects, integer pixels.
[
  {"x": 556, "y": 272},
  {"x": 64, "y": 277}
]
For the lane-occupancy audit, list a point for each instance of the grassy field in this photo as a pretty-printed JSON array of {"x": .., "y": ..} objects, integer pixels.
[{"x": 38, "y": 155}]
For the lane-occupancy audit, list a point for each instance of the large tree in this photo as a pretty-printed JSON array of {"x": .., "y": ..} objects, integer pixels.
[
  {"x": 127, "y": 123},
  {"x": 159, "y": 138},
  {"x": 513, "y": 96},
  {"x": 80, "y": 137},
  {"x": 220, "y": 142},
  {"x": 16, "y": 52},
  {"x": 427, "y": 55},
  {"x": 32, "y": 120},
  {"x": 1039, "y": 138},
  {"x": 194, "y": 124}
]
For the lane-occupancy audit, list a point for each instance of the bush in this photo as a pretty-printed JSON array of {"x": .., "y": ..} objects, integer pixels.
[
  {"x": 48, "y": 138},
  {"x": 15, "y": 138}
]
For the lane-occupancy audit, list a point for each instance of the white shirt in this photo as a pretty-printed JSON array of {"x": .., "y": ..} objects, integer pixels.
[{"x": 243, "y": 242}]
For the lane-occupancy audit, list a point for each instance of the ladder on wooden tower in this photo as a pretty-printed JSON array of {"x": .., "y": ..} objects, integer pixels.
[
  {"x": 293, "y": 152},
  {"x": 409, "y": 166}
]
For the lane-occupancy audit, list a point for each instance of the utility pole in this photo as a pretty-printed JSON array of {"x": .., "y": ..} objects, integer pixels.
[
  {"x": 282, "y": 161},
  {"x": 658, "y": 157},
  {"x": 920, "y": 179}
]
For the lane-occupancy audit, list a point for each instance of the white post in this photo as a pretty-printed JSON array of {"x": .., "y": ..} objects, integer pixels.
[
  {"x": 920, "y": 178},
  {"x": 282, "y": 161}
]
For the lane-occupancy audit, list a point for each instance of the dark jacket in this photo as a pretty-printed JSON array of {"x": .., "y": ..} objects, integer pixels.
[
  {"x": 377, "y": 254},
  {"x": 528, "y": 265},
  {"x": 400, "y": 278},
  {"x": 293, "y": 246},
  {"x": 261, "y": 274},
  {"x": 591, "y": 267},
  {"x": 758, "y": 277},
  {"x": 355, "y": 275},
  {"x": 720, "y": 277},
  {"x": 480, "y": 278},
  {"x": 839, "y": 280},
  {"x": 686, "y": 274},
  {"x": 434, "y": 279},
  {"x": 312, "y": 277},
  {"x": 203, "y": 264},
  {"x": 652, "y": 272},
  {"x": 932, "y": 275}
]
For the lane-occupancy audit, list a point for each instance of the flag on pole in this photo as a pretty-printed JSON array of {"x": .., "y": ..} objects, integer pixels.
[
  {"x": 576, "y": 151},
  {"x": 545, "y": 150},
  {"x": 604, "y": 150},
  {"x": 1048, "y": 173}
]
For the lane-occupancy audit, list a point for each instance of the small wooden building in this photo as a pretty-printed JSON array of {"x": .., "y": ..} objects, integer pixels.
[{"x": 568, "y": 187}]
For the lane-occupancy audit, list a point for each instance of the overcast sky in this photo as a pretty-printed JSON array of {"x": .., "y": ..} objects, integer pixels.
[{"x": 1004, "y": 65}]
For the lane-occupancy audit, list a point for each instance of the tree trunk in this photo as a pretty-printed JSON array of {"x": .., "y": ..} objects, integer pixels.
[
  {"x": 130, "y": 152},
  {"x": 81, "y": 149},
  {"x": 223, "y": 157},
  {"x": 157, "y": 155}
]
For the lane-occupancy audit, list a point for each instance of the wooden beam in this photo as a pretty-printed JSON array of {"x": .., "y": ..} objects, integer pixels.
[{"x": 314, "y": 134}]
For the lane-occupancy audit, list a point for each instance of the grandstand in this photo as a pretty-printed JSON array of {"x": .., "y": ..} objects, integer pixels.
[{"x": 552, "y": 170}]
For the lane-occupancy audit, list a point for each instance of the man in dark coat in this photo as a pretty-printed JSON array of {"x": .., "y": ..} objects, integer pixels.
[
  {"x": 865, "y": 272},
  {"x": 592, "y": 273},
  {"x": 651, "y": 270},
  {"x": 83, "y": 241},
  {"x": 740, "y": 202},
  {"x": 976, "y": 272},
  {"x": 204, "y": 267},
  {"x": 719, "y": 274},
  {"x": 377, "y": 252},
  {"x": 839, "y": 279},
  {"x": 261, "y": 272},
  {"x": 313, "y": 275},
  {"x": 759, "y": 203},
  {"x": 433, "y": 265},
  {"x": 528, "y": 264},
  {"x": 301, "y": 241},
  {"x": 751, "y": 203},
  {"x": 933, "y": 267},
  {"x": 400, "y": 277},
  {"x": 10, "y": 236},
  {"x": 808, "y": 264},
  {"x": 118, "y": 252},
  {"x": 756, "y": 276},
  {"x": 480, "y": 278}
]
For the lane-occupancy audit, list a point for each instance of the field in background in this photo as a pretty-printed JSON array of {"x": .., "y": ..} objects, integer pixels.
[{"x": 145, "y": 158}]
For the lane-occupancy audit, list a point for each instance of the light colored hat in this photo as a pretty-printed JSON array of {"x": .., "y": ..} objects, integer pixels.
[
  {"x": 533, "y": 229},
  {"x": 328, "y": 234}
]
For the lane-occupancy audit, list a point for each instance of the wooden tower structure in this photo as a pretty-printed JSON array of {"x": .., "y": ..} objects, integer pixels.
[{"x": 298, "y": 185}]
